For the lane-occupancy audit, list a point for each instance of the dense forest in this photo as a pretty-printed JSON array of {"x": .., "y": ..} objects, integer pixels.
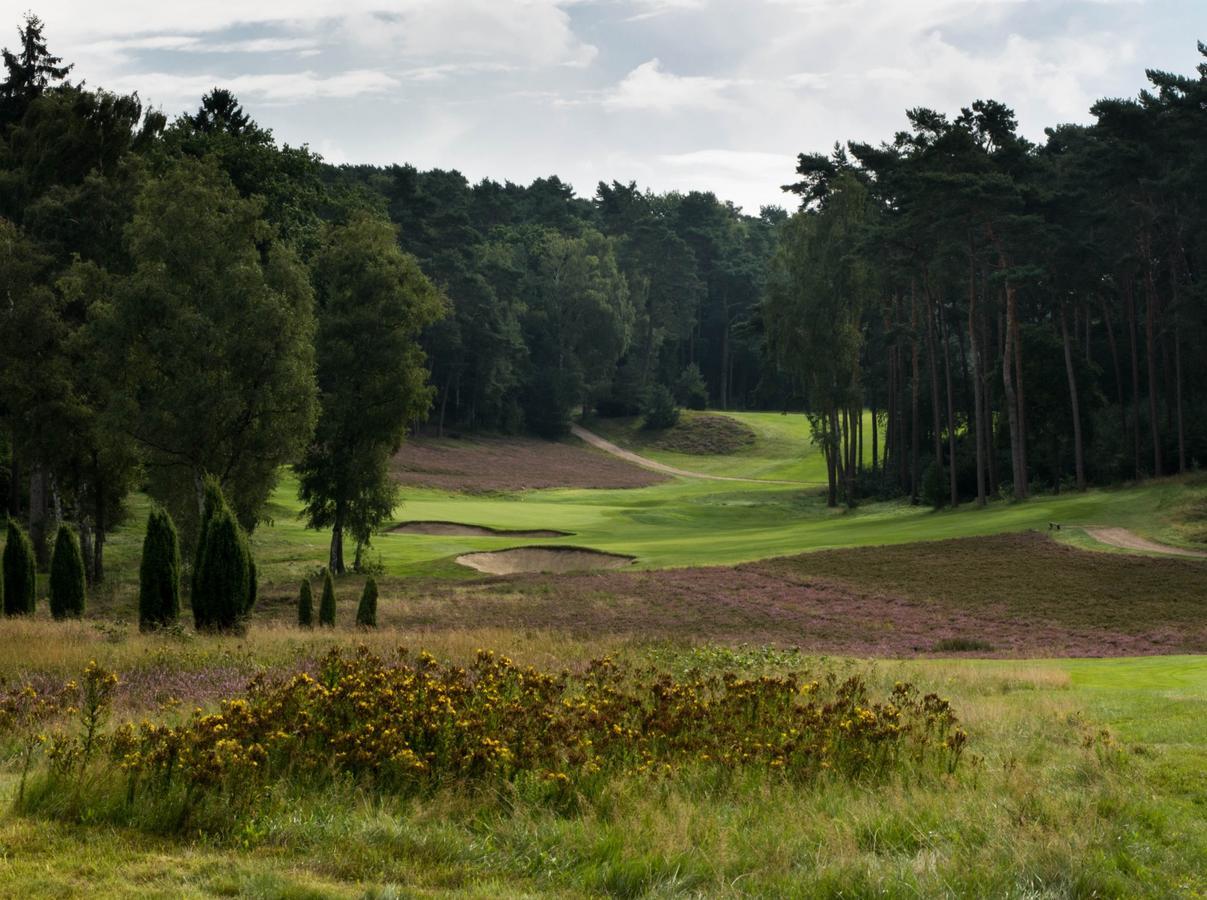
[
  {"x": 188, "y": 299},
  {"x": 1018, "y": 316}
]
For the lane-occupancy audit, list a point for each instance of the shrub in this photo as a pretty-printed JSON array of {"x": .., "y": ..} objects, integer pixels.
[
  {"x": 366, "y": 612},
  {"x": 962, "y": 645},
  {"x": 658, "y": 409},
  {"x": 20, "y": 579},
  {"x": 221, "y": 580},
  {"x": 327, "y": 603},
  {"x": 305, "y": 606},
  {"x": 67, "y": 585},
  {"x": 212, "y": 500},
  {"x": 934, "y": 486},
  {"x": 690, "y": 388},
  {"x": 159, "y": 573},
  {"x": 495, "y": 722}
]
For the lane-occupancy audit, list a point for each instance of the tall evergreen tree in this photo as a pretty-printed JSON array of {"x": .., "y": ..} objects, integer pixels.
[
  {"x": 305, "y": 605},
  {"x": 32, "y": 70},
  {"x": 221, "y": 583},
  {"x": 67, "y": 584},
  {"x": 327, "y": 603},
  {"x": 366, "y": 611},
  {"x": 159, "y": 573},
  {"x": 20, "y": 584}
]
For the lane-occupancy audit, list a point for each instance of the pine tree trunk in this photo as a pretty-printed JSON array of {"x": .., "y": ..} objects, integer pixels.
[
  {"x": 1012, "y": 398},
  {"x": 1022, "y": 402},
  {"x": 978, "y": 394},
  {"x": 1114, "y": 347},
  {"x": 1150, "y": 318},
  {"x": 336, "y": 560},
  {"x": 37, "y": 516},
  {"x": 1078, "y": 456},
  {"x": 915, "y": 438},
  {"x": 1130, "y": 300},
  {"x": 951, "y": 416},
  {"x": 1177, "y": 362},
  {"x": 931, "y": 354}
]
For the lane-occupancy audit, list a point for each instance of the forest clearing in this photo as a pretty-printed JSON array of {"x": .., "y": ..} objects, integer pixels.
[{"x": 723, "y": 516}]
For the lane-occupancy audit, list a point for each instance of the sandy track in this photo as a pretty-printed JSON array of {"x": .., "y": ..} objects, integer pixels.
[
  {"x": 1129, "y": 540},
  {"x": 607, "y": 446}
]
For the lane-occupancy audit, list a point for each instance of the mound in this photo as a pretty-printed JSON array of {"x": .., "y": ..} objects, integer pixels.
[
  {"x": 457, "y": 529},
  {"x": 543, "y": 559},
  {"x": 707, "y": 436}
]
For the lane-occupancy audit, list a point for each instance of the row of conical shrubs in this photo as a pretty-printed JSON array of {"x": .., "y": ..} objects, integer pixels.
[
  {"x": 366, "y": 611},
  {"x": 18, "y": 586},
  {"x": 224, "y": 573}
]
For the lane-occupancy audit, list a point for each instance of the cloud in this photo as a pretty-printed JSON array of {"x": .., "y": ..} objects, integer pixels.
[
  {"x": 176, "y": 91},
  {"x": 649, "y": 87}
]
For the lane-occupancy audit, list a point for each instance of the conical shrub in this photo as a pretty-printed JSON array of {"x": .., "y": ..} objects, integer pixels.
[
  {"x": 305, "y": 606},
  {"x": 212, "y": 500},
  {"x": 67, "y": 584},
  {"x": 327, "y": 603},
  {"x": 366, "y": 612},
  {"x": 159, "y": 573},
  {"x": 20, "y": 580},
  {"x": 220, "y": 583}
]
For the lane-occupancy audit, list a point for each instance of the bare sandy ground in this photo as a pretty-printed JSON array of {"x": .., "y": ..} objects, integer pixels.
[
  {"x": 607, "y": 446},
  {"x": 553, "y": 560},
  {"x": 1129, "y": 540}
]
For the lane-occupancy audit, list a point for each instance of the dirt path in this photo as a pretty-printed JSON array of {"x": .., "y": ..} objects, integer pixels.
[
  {"x": 1129, "y": 540},
  {"x": 607, "y": 446}
]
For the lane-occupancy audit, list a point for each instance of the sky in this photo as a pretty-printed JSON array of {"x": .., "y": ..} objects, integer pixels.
[{"x": 715, "y": 95}]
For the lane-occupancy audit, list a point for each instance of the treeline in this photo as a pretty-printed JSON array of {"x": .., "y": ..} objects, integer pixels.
[
  {"x": 1018, "y": 316},
  {"x": 562, "y": 304},
  {"x": 189, "y": 300}
]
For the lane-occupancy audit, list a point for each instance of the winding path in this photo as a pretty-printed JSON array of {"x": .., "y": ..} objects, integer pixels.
[
  {"x": 607, "y": 446},
  {"x": 1129, "y": 540}
]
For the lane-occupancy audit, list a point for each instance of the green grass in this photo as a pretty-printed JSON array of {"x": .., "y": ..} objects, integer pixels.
[{"x": 1049, "y": 808}]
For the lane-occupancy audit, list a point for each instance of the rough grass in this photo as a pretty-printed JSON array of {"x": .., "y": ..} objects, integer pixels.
[
  {"x": 706, "y": 435},
  {"x": 1054, "y": 807}
]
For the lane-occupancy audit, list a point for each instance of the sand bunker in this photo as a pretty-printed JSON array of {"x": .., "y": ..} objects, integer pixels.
[
  {"x": 543, "y": 559},
  {"x": 456, "y": 528}
]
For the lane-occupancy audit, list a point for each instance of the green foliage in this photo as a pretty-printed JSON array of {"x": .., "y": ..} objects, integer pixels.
[
  {"x": 327, "y": 602},
  {"x": 68, "y": 585},
  {"x": 159, "y": 573},
  {"x": 691, "y": 390},
  {"x": 366, "y": 611},
  {"x": 212, "y": 499},
  {"x": 373, "y": 303},
  {"x": 217, "y": 315},
  {"x": 305, "y": 606},
  {"x": 221, "y": 583},
  {"x": 20, "y": 582},
  {"x": 934, "y": 486},
  {"x": 658, "y": 409}
]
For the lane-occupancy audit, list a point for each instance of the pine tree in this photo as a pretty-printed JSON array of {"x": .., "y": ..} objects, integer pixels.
[
  {"x": 305, "y": 606},
  {"x": 67, "y": 585},
  {"x": 19, "y": 577},
  {"x": 366, "y": 613},
  {"x": 31, "y": 71},
  {"x": 159, "y": 574},
  {"x": 327, "y": 604},
  {"x": 221, "y": 580}
]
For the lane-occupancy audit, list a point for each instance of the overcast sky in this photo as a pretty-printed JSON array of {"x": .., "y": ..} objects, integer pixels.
[{"x": 674, "y": 94}]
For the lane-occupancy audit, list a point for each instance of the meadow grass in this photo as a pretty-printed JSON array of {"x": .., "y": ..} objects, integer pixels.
[{"x": 1050, "y": 806}]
